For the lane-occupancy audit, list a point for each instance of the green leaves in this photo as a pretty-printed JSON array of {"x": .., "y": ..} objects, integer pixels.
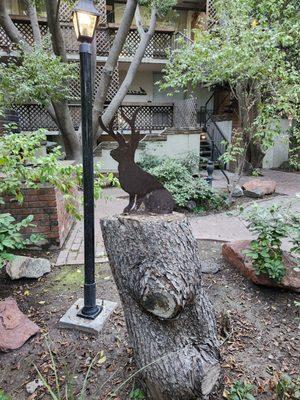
[
  {"x": 23, "y": 167},
  {"x": 4, "y": 396},
  {"x": 254, "y": 50},
  {"x": 40, "y": 77},
  {"x": 271, "y": 225},
  {"x": 240, "y": 391},
  {"x": 177, "y": 177},
  {"x": 137, "y": 394},
  {"x": 11, "y": 238}
]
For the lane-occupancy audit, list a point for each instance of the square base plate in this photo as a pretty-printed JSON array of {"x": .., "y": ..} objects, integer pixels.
[{"x": 71, "y": 320}]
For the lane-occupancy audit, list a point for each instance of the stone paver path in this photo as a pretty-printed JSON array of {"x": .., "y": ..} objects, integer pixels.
[
  {"x": 217, "y": 227},
  {"x": 73, "y": 250}
]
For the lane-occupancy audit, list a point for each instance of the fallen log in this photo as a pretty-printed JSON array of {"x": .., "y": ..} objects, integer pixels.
[{"x": 155, "y": 263}]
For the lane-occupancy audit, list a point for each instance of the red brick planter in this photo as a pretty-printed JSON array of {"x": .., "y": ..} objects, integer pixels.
[{"x": 47, "y": 205}]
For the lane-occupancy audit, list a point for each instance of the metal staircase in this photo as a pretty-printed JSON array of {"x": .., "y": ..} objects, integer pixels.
[{"x": 213, "y": 142}]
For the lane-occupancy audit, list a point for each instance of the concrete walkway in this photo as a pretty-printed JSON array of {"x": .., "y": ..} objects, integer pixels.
[{"x": 217, "y": 227}]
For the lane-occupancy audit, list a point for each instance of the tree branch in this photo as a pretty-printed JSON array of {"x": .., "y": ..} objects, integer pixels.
[
  {"x": 32, "y": 14},
  {"x": 137, "y": 59},
  {"x": 57, "y": 39},
  {"x": 139, "y": 22},
  {"x": 112, "y": 61},
  {"x": 10, "y": 29}
]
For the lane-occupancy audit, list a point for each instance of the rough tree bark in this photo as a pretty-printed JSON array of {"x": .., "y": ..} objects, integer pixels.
[
  {"x": 112, "y": 62},
  {"x": 146, "y": 36},
  {"x": 70, "y": 137},
  {"x": 155, "y": 263},
  {"x": 10, "y": 29},
  {"x": 32, "y": 14}
]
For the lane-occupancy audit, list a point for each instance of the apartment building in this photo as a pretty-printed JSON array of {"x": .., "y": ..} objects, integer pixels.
[{"x": 181, "y": 122}]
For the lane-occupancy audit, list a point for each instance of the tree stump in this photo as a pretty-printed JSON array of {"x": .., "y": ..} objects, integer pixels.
[{"x": 155, "y": 263}]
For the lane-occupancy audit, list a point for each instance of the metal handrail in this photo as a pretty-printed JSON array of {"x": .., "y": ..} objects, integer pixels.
[
  {"x": 209, "y": 117},
  {"x": 219, "y": 154}
]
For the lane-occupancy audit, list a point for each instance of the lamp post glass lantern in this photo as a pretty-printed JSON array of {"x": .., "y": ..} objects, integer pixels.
[{"x": 85, "y": 19}]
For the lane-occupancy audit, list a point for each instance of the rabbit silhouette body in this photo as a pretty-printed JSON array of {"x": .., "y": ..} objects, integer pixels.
[{"x": 142, "y": 187}]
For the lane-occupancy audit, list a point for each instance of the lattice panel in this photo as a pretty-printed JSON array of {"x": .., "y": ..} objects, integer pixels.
[
  {"x": 185, "y": 113},
  {"x": 104, "y": 41},
  {"x": 75, "y": 112},
  {"x": 76, "y": 89},
  {"x": 5, "y": 43},
  {"x": 65, "y": 11},
  {"x": 26, "y": 31},
  {"x": 152, "y": 117},
  {"x": 160, "y": 43},
  {"x": 71, "y": 43},
  {"x": 114, "y": 86},
  {"x": 211, "y": 14},
  {"x": 33, "y": 117}
]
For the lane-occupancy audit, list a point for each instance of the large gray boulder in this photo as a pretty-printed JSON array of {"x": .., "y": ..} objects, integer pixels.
[{"x": 27, "y": 267}]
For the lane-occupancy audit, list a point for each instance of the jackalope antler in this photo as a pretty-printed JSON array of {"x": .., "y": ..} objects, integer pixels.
[{"x": 141, "y": 186}]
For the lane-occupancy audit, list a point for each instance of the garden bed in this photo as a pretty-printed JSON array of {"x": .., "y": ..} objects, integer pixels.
[
  {"x": 47, "y": 205},
  {"x": 257, "y": 326}
]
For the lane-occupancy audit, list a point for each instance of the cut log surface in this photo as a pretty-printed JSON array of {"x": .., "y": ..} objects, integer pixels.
[{"x": 170, "y": 322}]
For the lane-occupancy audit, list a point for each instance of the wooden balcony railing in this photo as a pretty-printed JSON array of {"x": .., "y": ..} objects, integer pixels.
[
  {"x": 157, "y": 49},
  {"x": 151, "y": 117}
]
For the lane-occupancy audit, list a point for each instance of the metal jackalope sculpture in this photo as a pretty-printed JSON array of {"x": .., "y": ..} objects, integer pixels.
[{"x": 142, "y": 187}]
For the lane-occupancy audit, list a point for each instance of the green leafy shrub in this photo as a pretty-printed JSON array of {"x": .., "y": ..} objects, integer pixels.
[
  {"x": 149, "y": 161},
  {"x": 22, "y": 167},
  {"x": 4, "y": 396},
  {"x": 179, "y": 180},
  {"x": 240, "y": 391},
  {"x": 11, "y": 238},
  {"x": 39, "y": 77},
  {"x": 287, "y": 388},
  {"x": 137, "y": 394},
  {"x": 271, "y": 225}
]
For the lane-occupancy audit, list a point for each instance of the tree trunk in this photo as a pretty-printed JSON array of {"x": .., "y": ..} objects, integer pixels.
[
  {"x": 64, "y": 120},
  {"x": 10, "y": 29},
  {"x": 69, "y": 136},
  {"x": 112, "y": 62},
  {"x": 32, "y": 14},
  {"x": 146, "y": 37},
  {"x": 155, "y": 263}
]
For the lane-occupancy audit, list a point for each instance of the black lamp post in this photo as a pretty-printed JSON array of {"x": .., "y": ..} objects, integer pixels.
[{"x": 85, "y": 19}]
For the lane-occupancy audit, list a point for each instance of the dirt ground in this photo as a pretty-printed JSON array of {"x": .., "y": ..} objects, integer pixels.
[{"x": 258, "y": 331}]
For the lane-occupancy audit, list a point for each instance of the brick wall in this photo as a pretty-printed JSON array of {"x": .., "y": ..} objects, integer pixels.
[{"x": 46, "y": 204}]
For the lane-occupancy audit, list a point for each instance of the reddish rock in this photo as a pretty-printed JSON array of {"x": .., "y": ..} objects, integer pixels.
[
  {"x": 234, "y": 254},
  {"x": 15, "y": 327},
  {"x": 267, "y": 187}
]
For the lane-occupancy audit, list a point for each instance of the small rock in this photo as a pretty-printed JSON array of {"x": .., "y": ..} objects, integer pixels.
[
  {"x": 31, "y": 387},
  {"x": 237, "y": 192},
  {"x": 267, "y": 187},
  {"x": 15, "y": 327},
  {"x": 27, "y": 267},
  {"x": 254, "y": 193},
  {"x": 210, "y": 267},
  {"x": 234, "y": 254},
  {"x": 191, "y": 205}
]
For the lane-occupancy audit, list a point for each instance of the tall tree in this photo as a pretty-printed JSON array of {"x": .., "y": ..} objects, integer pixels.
[
  {"x": 59, "y": 109},
  {"x": 252, "y": 49}
]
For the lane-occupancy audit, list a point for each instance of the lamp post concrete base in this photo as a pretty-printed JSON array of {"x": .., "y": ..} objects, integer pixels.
[{"x": 71, "y": 320}]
